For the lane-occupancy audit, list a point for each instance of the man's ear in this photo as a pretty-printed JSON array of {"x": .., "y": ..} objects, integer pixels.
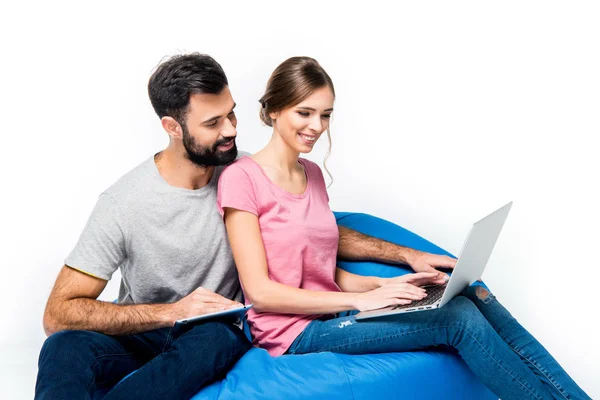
[{"x": 172, "y": 127}]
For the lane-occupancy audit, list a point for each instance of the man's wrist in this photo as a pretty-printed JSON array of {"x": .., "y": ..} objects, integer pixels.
[
  {"x": 165, "y": 315},
  {"x": 408, "y": 256}
]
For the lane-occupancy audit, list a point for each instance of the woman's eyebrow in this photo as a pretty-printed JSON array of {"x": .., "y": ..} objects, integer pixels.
[{"x": 312, "y": 109}]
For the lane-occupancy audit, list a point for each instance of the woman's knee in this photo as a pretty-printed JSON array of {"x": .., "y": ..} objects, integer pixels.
[
  {"x": 478, "y": 294},
  {"x": 465, "y": 314}
]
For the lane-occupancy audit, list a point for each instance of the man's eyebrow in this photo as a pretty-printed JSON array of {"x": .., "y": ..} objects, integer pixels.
[
  {"x": 211, "y": 120},
  {"x": 218, "y": 116},
  {"x": 312, "y": 109}
]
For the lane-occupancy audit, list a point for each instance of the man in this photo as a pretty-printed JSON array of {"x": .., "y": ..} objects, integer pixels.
[{"x": 159, "y": 224}]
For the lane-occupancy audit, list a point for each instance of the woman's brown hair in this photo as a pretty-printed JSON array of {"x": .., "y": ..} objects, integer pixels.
[{"x": 293, "y": 81}]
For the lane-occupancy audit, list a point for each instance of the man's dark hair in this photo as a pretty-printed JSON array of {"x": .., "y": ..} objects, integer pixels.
[{"x": 175, "y": 79}]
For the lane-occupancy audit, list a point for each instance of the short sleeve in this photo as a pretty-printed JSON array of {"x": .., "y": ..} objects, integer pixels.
[
  {"x": 318, "y": 173},
  {"x": 100, "y": 249},
  {"x": 236, "y": 191}
]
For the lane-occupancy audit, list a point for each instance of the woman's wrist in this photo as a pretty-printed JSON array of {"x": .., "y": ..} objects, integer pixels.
[{"x": 378, "y": 282}]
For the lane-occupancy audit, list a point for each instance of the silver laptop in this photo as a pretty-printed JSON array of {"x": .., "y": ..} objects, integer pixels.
[{"x": 471, "y": 262}]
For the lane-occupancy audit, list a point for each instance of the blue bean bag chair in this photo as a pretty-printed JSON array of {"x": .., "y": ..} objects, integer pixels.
[{"x": 433, "y": 374}]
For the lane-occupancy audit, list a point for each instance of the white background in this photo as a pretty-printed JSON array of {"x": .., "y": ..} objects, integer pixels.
[{"x": 445, "y": 111}]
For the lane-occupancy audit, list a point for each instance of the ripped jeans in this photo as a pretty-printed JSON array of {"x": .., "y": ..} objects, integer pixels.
[{"x": 499, "y": 351}]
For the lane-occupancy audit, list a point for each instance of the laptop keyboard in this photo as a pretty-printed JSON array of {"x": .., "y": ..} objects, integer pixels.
[{"x": 434, "y": 293}]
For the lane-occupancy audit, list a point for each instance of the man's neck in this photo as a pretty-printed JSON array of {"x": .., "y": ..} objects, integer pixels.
[{"x": 180, "y": 172}]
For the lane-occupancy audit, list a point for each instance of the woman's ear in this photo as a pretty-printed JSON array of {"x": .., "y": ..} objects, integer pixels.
[{"x": 274, "y": 115}]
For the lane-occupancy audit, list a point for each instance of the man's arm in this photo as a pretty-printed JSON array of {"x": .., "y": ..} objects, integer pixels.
[
  {"x": 73, "y": 305},
  {"x": 354, "y": 246}
]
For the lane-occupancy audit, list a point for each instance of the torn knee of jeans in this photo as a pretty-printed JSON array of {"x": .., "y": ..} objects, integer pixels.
[{"x": 483, "y": 294}]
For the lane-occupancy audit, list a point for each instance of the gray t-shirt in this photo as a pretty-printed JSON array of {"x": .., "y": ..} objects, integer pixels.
[{"x": 167, "y": 241}]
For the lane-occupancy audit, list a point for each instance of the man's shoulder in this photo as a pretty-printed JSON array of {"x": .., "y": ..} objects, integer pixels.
[
  {"x": 242, "y": 153},
  {"x": 132, "y": 183}
]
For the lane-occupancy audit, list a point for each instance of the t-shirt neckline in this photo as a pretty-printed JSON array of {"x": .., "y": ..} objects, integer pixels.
[
  {"x": 279, "y": 188},
  {"x": 195, "y": 192}
]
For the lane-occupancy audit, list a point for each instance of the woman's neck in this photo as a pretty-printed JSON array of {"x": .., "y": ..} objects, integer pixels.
[{"x": 278, "y": 154}]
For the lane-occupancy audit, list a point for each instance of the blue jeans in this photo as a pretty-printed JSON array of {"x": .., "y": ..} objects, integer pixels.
[
  {"x": 170, "y": 365},
  {"x": 499, "y": 351}
]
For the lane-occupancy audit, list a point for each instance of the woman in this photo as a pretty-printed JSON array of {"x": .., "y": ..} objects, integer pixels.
[{"x": 284, "y": 240}]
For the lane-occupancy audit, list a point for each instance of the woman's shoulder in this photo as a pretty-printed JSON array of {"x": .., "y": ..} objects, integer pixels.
[
  {"x": 312, "y": 167},
  {"x": 309, "y": 164},
  {"x": 242, "y": 164},
  {"x": 236, "y": 170},
  {"x": 244, "y": 169}
]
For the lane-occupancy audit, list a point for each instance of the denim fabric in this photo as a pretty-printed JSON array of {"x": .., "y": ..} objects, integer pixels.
[
  {"x": 501, "y": 353},
  {"x": 174, "y": 365}
]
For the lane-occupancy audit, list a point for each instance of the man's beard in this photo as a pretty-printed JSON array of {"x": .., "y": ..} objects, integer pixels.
[{"x": 208, "y": 156}]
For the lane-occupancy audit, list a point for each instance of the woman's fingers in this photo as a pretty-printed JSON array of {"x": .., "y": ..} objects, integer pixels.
[
  {"x": 404, "y": 291},
  {"x": 407, "y": 287},
  {"x": 401, "y": 301}
]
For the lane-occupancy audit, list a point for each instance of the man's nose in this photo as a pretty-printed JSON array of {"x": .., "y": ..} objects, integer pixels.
[{"x": 229, "y": 130}]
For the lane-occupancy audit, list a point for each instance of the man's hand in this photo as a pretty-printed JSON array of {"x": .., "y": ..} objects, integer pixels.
[
  {"x": 427, "y": 262},
  {"x": 201, "y": 301},
  {"x": 355, "y": 246}
]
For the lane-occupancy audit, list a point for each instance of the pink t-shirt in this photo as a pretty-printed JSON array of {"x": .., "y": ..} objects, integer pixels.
[{"x": 300, "y": 236}]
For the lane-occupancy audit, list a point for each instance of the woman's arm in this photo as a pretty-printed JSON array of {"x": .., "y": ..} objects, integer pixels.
[
  {"x": 269, "y": 296},
  {"x": 350, "y": 282}
]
